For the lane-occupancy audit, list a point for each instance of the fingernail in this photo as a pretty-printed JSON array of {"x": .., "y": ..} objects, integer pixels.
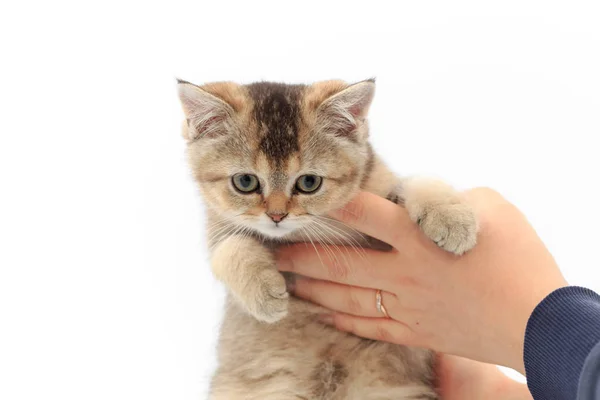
[
  {"x": 290, "y": 282},
  {"x": 326, "y": 319}
]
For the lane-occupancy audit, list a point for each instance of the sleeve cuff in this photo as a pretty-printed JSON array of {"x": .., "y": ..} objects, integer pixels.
[
  {"x": 589, "y": 381},
  {"x": 561, "y": 332}
]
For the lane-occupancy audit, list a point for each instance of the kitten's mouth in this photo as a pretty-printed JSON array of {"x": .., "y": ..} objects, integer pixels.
[{"x": 276, "y": 229}]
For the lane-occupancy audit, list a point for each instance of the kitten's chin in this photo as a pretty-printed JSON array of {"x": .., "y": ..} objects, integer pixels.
[
  {"x": 275, "y": 232},
  {"x": 267, "y": 228}
]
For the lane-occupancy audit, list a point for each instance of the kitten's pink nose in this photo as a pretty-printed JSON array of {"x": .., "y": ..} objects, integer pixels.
[{"x": 277, "y": 217}]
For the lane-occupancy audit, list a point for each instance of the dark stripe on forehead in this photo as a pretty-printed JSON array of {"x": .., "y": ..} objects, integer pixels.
[{"x": 277, "y": 112}]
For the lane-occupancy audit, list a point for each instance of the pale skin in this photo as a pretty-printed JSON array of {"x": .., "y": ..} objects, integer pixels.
[{"x": 474, "y": 306}]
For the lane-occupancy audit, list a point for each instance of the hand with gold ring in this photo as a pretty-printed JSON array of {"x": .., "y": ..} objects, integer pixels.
[
  {"x": 475, "y": 306},
  {"x": 379, "y": 303}
]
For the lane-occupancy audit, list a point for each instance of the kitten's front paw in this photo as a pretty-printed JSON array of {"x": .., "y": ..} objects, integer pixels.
[
  {"x": 267, "y": 297},
  {"x": 452, "y": 226},
  {"x": 443, "y": 216}
]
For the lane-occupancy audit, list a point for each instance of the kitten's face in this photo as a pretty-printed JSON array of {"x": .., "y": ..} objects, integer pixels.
[{"x": 277, "y": 158}]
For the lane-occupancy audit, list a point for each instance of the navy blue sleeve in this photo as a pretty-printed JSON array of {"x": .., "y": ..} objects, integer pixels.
[{"x": 562, "y": 346}]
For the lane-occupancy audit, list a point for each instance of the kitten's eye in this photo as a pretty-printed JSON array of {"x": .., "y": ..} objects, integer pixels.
[
  {"x": 245, "y": 183},
  {"x": 308, "y": 183}
]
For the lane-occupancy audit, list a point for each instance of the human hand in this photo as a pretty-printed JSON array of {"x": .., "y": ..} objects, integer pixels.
[
  {"x": 464, "y": 379},
  {"x": 476, "y": 305}
]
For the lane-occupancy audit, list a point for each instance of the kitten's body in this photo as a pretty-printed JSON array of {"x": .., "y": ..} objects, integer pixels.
[
  {"x": 271, "y": 346},
  {"x": 300, "y": 358}
]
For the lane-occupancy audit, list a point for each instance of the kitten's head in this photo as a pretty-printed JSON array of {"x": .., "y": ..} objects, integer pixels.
[{"x": 273, "y": 157}]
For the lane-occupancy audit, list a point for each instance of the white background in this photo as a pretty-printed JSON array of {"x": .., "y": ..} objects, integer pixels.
[{"x": 105, "y": 292}]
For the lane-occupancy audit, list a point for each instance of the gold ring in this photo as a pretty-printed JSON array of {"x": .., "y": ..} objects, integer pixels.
[{"x": 379, "y": 303}]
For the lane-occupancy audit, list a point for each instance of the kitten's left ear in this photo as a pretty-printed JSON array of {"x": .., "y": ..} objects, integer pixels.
[{"x": 344, "y": 112}]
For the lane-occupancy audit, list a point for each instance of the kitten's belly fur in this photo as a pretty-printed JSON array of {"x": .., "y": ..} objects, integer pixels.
[{"x": 300, "y": 358}]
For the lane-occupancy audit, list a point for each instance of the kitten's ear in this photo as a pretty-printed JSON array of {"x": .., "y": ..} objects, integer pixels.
[
  {"x": 207, "y": 115},
  {"x": 344, "y": 112}
]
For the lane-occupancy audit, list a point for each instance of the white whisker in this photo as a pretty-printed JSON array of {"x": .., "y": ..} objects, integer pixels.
[
  {"x": 351, "y": 241},
  {"x": 324, "y": 242},
  {"x": 304, "y": 231},
  {"x": 324, "y": 236}
]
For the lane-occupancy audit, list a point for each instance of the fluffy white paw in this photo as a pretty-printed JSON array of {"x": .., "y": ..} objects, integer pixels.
[
  {"x": 442, "y": 215},
  {"x": 452, "y": 226},
  {"x": 266, "y": 297}
]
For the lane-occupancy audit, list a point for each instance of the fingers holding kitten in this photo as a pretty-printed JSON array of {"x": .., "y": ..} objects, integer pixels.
[
  {"x": 352, "y": 300},
  {"x": 359, "y": 267},
  {"x": 379, "y": 218},
  {"x": 380, "y": 329}
]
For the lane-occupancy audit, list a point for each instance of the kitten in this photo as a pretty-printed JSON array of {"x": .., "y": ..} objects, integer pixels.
[{"x": 271, "y": 161}]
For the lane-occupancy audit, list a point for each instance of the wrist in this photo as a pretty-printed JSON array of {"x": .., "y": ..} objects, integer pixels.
[
  {"x": 529, "y": 304},
  {"x": 509, "y": 389}
]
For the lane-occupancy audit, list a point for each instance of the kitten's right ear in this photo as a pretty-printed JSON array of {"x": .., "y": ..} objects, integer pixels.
[{"x": 206, "y": 114}]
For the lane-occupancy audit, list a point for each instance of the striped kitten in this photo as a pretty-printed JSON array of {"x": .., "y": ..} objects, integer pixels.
[{"x": 271, "y": 161}]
